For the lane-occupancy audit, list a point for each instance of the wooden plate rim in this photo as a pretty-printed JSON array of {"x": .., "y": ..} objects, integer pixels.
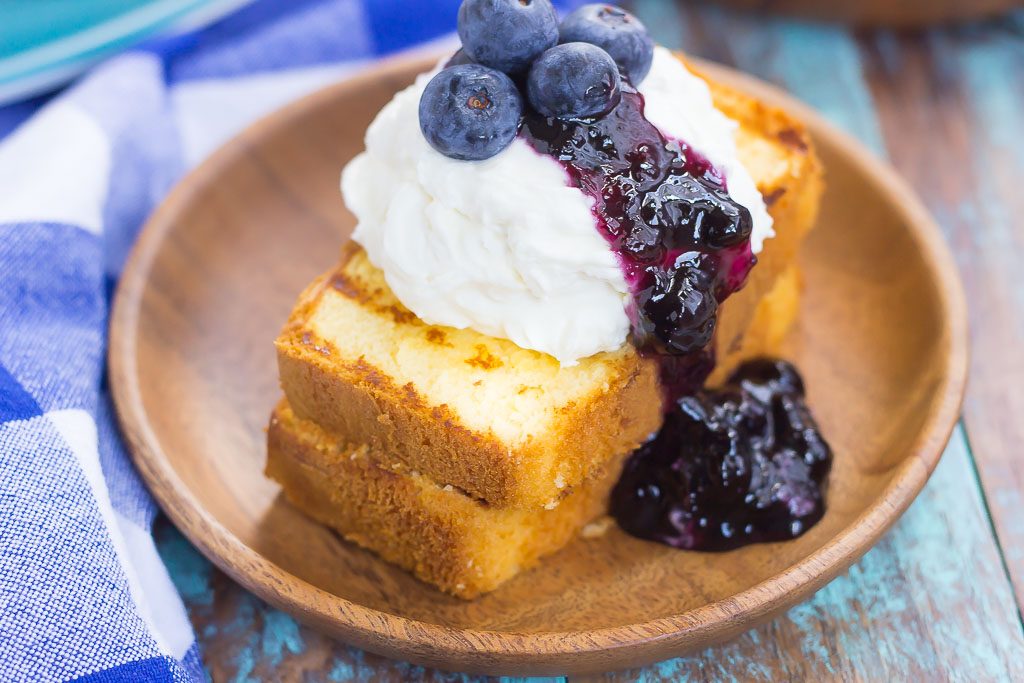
[{"x": 381, "y": 631}]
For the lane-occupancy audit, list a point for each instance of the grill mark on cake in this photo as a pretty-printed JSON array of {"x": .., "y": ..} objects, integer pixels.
[
  {"x": 382, "y": 301},
  {"x": 736, "y": 343},
  {"x": 400, "y": 314},
  {"x": 775, "y": 195},
  {"x": 347, "y": 287},
  {"x": 438, "y": 336},
  {"x": 309, "y": 299},
  {"x": 793, "y": 138},
  {"x": 484, "y": 359}
]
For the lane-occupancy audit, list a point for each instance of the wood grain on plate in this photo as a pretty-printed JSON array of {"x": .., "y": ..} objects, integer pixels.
[
  {"x": 884, "y": 12},
  {"x": 882, "y": 345}
]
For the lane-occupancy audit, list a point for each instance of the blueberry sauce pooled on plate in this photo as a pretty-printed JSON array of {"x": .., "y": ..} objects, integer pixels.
[
  {"x": 738, "y": 465},
  {"x": 682, "y": 242}
]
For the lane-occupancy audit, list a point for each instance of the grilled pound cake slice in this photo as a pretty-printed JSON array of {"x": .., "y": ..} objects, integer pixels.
[
  {"x": 507, "y": 425},
  {"x": 444, "y": 537},
  {"x": 504, "y": 424}
]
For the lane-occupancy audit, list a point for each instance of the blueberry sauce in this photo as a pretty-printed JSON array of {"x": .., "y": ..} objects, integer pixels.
[
  {"x": 682, "y": 242},
  {"x": 739, "y": 465}
]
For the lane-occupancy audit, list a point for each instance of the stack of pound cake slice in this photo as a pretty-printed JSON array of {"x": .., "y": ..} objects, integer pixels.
[{"x": 464, "y": 458}]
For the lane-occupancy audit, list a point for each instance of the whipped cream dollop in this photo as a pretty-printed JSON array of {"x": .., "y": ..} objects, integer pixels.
[{"x": 506, "y": 246}]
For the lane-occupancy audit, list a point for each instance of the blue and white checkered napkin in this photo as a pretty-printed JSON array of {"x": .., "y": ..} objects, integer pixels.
[{"x": 83, "y": 593}]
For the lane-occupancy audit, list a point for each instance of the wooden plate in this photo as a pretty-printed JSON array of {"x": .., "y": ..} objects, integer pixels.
[
  {"x": 897, "y": 13},
  {"x": 882, "y": 345}
]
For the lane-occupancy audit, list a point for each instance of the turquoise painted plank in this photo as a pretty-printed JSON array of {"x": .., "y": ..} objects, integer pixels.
[
  {"x": 991, "y": 75},
  {"x": 244, "y": 640},
  {"x": 971, "y": 103},
  {"x": 819, "y": 63},
  {"x": 929, "y": 602}
]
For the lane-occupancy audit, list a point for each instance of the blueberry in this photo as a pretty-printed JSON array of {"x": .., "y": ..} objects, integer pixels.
[
  {"x": 728, "y": 222},
  {"x": 574, "y": 81},
  {"x": 677, "y": 310},
  {"x": 507, "y": 34},
  {"x": 459, "y": 58},
  {"x": 617, "y": 32},
  {"x": 470, "y": 112}
]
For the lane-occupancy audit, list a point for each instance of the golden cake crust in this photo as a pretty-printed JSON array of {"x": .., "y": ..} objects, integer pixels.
[
  {"x": 444, "y": 537},
  {"x": 351, "y": 396}
]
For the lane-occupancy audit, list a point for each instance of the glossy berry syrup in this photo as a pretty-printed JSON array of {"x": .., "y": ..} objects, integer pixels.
[
  {"x": 682, "y": 242},
  {"x": 739, "y": 465}
]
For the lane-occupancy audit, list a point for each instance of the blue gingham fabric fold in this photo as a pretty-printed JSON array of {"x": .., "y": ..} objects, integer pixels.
[{"x": 83, "y": 592}]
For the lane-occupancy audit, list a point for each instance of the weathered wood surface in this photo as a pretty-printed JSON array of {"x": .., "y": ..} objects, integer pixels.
[
  {"x": 883, "y": 12},
  {"x": 934, "y": 600},
  {"x": 961, "y": 95}
]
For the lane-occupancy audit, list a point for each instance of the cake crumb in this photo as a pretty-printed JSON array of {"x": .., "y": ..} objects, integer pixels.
[
  {"x": 449, "y": 487},
  {"x": 459, "y": 587},
  {"x": 551, "y": 504},
  {"x": 597, "y": 528},
  {"x": 559, "y": 481}
]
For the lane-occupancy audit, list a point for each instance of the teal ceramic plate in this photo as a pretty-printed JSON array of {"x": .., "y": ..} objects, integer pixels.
[{"x": 44, "y": 43}]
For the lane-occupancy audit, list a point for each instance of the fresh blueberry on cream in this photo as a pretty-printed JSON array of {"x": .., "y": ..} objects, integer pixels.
[
  {"x": 507, "y": 34},
  {"x": 574, "y": 81},
  {"x": 615, "y": 31},
  {"x": 470, "y": 112}
]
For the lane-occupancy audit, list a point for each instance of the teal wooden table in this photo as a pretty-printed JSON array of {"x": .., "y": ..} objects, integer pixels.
[{"x": 940, "y": 597}]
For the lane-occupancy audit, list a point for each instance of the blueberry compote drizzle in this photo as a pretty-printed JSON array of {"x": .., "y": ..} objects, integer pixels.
[
  {"x": 739, "y": 465},
  {"x": 682, "y": 242}
]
